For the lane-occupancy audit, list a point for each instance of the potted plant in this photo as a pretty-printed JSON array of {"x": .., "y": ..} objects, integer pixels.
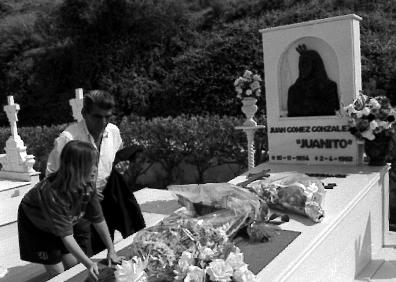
[
  {"x": 248, "y": 88},
  {"x": 371, "y": 120}
]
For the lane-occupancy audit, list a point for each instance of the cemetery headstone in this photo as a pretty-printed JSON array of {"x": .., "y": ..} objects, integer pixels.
[
  {"x": 311, "y": 70},
  {"x": 16, "y": 163}
]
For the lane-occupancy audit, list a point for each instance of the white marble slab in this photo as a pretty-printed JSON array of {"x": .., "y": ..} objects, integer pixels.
[
  {"x": 337, "y": 249},
  {"x": 11, "y": 184}
]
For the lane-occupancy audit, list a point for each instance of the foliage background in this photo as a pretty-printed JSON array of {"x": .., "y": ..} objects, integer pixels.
[
  {"x": 162, "y": 57},
  {"x": 200, "y": 142},
  {"x": 169, "y": 63}
]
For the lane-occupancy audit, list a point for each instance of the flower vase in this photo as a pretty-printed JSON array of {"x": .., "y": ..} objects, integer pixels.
[
  {"x": 377, "y": 150},
  {"x": 249, "y": 108}
]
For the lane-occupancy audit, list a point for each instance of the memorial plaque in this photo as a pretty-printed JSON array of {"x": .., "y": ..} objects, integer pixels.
[{"x": 311, "y": 70}]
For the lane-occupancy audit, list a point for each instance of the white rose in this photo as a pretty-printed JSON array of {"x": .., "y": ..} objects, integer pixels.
[
  {"x": 219, "y": 271},
  {"x": 374, "y": 104},
  {"x": 248, "y": 92},
  {"x": 206, "y": 253},
  {"x": 195, "y": 274},
  {"x": 186, "y": 259},
  {"x": 247, "y": 74},
  {"x": 258, "y": 92},
  {"x": 255, "y": 85},
  {"x": 365, "y": 111},
  {"x": 131, "y": 271},
  {"x": 244, "y": 275},
  {"x": 235, "y": 260},
  {"x": 373, "y": 124},
  {"x": 368, "y": 134}
]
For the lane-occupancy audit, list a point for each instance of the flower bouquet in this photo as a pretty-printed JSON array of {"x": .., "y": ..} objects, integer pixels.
[
  {"x": 370, "y": 116},
  {"x": 371, "y": 120},
  {"x": 248, "y": 90},
  {"x": 186, "y": 250},
  {"x": 222, "y": 204},
  {"x": 294, "y": 192},
  {"x": 248, "y": 85}
]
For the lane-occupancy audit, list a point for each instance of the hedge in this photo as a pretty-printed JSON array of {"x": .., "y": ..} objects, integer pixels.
[{"x": 202, "y": 141}]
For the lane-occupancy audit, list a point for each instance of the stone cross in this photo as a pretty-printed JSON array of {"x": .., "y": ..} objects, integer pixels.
[
  {"x": 12, "y": 114},
  {"x": 77, "y": 104},
  {"x": 16, "y": 163}
]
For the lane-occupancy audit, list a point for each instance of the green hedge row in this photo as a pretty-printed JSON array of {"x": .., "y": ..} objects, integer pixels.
[{"x": 202, "y": 141}]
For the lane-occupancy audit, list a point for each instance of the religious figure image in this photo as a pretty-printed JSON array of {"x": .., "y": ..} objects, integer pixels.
[{"x": 313, "y": 93}]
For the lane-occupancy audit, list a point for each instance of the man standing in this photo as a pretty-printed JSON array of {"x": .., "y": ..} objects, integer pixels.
[{"x": 95, "y": 128}]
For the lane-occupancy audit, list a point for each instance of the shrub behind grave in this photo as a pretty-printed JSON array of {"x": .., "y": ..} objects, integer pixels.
[
  {"x": 199, "y": 142},
  {"x": 203, "y": 142}
]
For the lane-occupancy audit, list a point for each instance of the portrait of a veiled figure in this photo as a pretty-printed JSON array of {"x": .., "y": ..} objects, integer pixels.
[{"x": 313, "y": 93}]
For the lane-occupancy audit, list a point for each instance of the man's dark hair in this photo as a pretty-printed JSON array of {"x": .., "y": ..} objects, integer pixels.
[{"x": 99, "y": 98}]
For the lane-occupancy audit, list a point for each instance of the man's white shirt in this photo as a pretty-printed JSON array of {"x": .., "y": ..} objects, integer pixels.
[{"x": 111, "y": 143}]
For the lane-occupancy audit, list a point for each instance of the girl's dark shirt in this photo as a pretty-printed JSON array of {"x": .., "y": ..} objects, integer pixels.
[{"x": 53, "y": 211}]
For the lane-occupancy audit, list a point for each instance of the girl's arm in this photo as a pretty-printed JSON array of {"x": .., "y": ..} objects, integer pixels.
[
  {"x": 104, "y": 234},
  {"x": 78, "y": 253}
]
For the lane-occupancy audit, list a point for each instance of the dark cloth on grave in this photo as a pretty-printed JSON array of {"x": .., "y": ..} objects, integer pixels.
[
  {"x": 130, "y": 163},
  {"x": 120, "y": 208},
  {"x": 127, "y": 154}
]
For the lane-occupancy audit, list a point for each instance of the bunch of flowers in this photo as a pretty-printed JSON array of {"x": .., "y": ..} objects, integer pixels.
[
  {"x": 248, "y": 85},
  {"x": 370, "y": 116},
  {"x": 190, "y": 250}
]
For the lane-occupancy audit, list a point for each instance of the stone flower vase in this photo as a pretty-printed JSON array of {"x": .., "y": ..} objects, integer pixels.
[
  {"x": 249, "y": 108},
  {"x": 377, "y": 150}
]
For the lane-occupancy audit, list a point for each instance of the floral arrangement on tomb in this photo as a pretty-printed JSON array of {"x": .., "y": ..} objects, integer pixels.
[
  {"x": 293, "y": 192},
  {"x": 248, "y": 85},
  {"x": 370, "y": 116},
  {"x": 195, "y": 244},
  {"x": 184, "y": 250}
]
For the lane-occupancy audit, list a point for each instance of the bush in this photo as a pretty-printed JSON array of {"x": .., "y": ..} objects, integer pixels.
[
  {"x": 162, "y": 58},
  {"x": 202, "y": 141},
  {"x": 203, "y": 77},
  {"x": 122, "y": 46}
]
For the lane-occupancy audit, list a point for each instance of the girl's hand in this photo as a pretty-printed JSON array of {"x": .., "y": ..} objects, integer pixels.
[
  {"x": 113, "y": 258},
  {"x": 94, "y": 271}
]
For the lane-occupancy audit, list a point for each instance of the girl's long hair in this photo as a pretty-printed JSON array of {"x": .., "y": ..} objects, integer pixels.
[{"x": 76, "y": 161}]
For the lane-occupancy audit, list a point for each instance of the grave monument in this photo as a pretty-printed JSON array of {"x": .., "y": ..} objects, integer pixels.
[
  {"x": 312, "y": 69},
  {"x": 77, "y": 104},
  {"x": 16, "y": 163}
]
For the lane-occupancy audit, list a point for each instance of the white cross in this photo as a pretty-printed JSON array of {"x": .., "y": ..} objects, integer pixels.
[
  {"x": 77, "y": 104},
  {"x": 12, "y": 114}
]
